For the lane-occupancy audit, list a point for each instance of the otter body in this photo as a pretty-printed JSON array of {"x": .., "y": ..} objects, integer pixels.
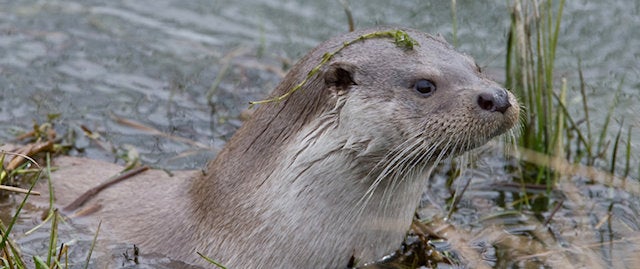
[{"x": 334, "y": 170}]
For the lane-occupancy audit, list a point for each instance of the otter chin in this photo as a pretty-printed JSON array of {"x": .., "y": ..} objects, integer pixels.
[{"x": 334, "y": 170}]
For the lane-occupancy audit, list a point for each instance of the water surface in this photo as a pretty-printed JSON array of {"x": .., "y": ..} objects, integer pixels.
[{"x": 188, "y": 69}]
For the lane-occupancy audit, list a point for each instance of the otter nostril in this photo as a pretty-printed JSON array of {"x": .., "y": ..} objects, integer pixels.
[
  {"x": 494, "y": 100},
  {"x": 485, "y": 101}
]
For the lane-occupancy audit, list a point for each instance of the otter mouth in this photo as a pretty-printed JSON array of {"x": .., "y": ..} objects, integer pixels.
[{"x": 496, "y": 119}]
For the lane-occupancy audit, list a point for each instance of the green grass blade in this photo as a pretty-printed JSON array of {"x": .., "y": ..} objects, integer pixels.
[
  {"x": 585, "y": 110},
  {"x": 40, "y": 264},
  {"x": 13, "y": 259},
  {"x": 5, "y": 235},
  {"x": 614, "y": 153},
  {"x": 53, "y": 238},
  {"x": 607, "y": 120},
  {"x": 217, "y": 264},
  {"x": 93, "y": 245}
]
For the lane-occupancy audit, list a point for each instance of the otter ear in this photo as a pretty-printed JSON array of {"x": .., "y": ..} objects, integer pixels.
[{"x": 340, "y": 76}]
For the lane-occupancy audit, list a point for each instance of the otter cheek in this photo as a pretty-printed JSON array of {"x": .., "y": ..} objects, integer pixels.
[{"x": 367, "y": 124}]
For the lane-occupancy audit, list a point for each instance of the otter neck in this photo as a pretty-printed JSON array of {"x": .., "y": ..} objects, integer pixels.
[{"x": 322, "y": 172}]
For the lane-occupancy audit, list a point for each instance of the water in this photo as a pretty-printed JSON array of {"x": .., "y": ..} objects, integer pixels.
[{"x": 154, "y": 62}]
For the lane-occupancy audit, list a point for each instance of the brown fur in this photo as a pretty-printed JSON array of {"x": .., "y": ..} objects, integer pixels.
[{"x": 334, "y": 170}]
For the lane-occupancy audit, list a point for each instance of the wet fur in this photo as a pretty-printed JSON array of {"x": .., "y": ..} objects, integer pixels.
[{"x": 335, "y": 170}]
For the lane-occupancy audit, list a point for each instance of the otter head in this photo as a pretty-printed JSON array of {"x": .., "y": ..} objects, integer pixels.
[
  {"x": 386, "y": 108},
  {"x": 418, "y": 104}
]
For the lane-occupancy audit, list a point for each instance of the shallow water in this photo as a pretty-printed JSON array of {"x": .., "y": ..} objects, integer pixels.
[{"x": 155, "y": 61}]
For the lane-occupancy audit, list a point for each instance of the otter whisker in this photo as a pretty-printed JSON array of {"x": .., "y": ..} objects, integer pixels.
[
  {"x": 414, "y": 166},
  {"x": 397, "y": 155},
  {"x": 389, "y": 164},
  {"x": 420, "y": 155},
  {"x": 400, "y": 173}
]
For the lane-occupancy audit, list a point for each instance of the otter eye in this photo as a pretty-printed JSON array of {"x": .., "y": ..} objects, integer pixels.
[{"x": 425, "y": 87}]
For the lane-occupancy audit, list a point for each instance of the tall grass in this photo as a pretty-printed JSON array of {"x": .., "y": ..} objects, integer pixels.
[
  {"x": 531, "y": 51},
  {"x": 548, "y": 127}
]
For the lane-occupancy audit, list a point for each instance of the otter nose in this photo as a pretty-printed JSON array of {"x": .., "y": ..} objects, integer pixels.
[{"x": 495, "y": 99}]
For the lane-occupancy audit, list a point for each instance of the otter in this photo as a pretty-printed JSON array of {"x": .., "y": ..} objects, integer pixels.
[{"x": 334, "y": 170}]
